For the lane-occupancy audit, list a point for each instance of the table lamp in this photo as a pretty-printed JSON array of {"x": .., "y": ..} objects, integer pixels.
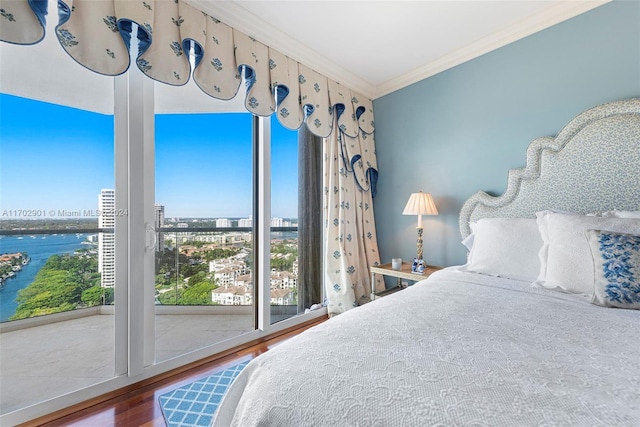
[{"x": 420, "y": 204}]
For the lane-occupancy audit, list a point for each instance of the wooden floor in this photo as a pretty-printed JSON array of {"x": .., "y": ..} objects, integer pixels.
[{"x": 138, "y": 404}]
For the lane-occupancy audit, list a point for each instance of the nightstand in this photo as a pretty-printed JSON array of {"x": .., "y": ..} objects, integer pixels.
[{"x": 405, "y": 273}]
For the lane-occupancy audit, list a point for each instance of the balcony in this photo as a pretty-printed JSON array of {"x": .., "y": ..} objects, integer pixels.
[{"x": 48, "y": 356}]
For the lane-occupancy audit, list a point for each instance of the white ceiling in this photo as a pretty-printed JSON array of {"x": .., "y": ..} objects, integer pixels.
[
  {"x": 376, "y": 47},
  {"x": 372, "y": 47}
]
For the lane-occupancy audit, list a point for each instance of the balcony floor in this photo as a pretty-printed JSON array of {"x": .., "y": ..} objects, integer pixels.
[{"x": 42, "y": 362}]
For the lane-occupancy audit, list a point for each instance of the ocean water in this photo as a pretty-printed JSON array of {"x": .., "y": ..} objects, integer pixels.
[{"x": 39, "y": 247}]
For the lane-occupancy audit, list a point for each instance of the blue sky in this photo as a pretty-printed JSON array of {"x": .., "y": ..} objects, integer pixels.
[{"x": 54, "y": 158}]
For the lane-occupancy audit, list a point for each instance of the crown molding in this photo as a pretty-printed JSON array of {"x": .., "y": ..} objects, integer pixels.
[
  {"x": 239, "y": 18},
  {"x": 555, "y": 14},
  {"x": 234, "y": 15}
]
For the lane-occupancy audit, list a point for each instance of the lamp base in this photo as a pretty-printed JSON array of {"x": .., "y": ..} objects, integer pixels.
[{"x": 419, "y": 243}]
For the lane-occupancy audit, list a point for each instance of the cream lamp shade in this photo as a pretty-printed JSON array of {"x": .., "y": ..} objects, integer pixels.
[{"x": 420, "y": 204}]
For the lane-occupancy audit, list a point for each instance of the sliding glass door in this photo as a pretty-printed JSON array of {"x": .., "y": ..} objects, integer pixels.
[
  {"x": 57, "y": 250},
  {"x": 204, "y": 282}
]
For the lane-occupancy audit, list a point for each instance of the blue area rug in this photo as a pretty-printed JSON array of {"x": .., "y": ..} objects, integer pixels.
[{"x": 195, "y": 404}]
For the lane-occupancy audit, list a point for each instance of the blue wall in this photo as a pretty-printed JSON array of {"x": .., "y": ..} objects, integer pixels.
[{"x": 461, "y": 130}]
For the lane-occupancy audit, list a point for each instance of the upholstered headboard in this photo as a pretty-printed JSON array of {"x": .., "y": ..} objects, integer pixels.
[{"x": 592, "y": 165}]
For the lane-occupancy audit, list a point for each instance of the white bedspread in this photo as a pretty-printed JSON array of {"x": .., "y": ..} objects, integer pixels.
[{"x": 458, "y": 349}]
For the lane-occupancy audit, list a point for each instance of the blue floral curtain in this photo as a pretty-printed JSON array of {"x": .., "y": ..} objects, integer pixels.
[{"x": 351, "y": 243}]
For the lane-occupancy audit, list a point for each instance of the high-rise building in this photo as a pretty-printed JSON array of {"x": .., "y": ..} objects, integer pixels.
[
  {"x": 106, "y": 239},
  {"x": 245, "y": 222},
  {"x": 159, "y": 225},
  {"x": 223, "y": 223}
]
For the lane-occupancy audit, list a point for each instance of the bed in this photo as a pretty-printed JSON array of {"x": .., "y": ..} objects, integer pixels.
[{"x": 529, "y": 332}]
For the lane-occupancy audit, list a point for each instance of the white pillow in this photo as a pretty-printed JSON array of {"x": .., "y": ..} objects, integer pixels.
[
  {"x": 621, "y": 214},
  {"x": 566, "y": 262},
  {"x": 541, "y": 218},
  {"x": 468, "y": 241},
  {"x": 506, "y": 247},
  {"x": 616, "y": 257}
]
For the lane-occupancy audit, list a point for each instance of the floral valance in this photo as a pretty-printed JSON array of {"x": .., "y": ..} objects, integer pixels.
[
  {"x": 177, "y": 42},
  {"x": 97, "y": 35}
]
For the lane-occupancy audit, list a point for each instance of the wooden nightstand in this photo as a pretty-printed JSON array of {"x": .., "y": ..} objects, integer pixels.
[{"x": 405, "y": 273}]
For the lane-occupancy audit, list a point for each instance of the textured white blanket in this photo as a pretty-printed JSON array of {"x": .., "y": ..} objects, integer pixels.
[{"x": 458, "y": 349}]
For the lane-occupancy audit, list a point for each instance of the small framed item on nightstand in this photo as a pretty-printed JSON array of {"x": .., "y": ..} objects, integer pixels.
[{"x": 404, "y": 273}]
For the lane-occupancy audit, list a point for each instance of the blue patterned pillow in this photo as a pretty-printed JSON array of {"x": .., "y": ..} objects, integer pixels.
[{"x": 616, "y": 258}]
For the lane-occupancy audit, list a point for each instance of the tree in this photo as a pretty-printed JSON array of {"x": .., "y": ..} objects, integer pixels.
[
  {"x": 196, "y": 278},
  {"x": 108, "y": 296},
  {"x": 282, "y": 264},
  {"x": 169, "y": 297},
  {"x": 220, "y": 253},
  {"x": 92, "y": 296},
  {"x": 58, "y": 286},
  {"x": 198, "y": 294},
  {"x": 194, "y": 294},
  {"x": 189, "y": 269}
]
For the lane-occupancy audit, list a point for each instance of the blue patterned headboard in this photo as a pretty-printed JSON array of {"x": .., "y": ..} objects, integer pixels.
[{"x": 592, "y": 165}]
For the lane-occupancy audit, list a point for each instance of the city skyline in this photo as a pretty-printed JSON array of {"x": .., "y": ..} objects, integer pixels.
[{"x": 57, "y": 158}]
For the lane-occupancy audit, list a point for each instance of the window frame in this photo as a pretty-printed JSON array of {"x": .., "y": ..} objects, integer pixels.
[{"x": 143, "y": 102}]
